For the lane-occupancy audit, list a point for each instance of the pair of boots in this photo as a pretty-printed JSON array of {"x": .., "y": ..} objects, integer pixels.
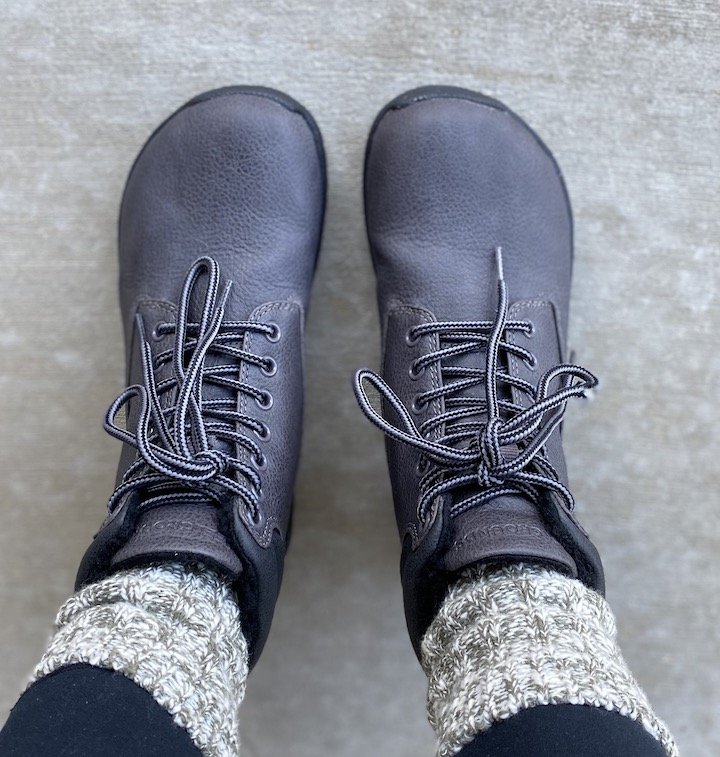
[
  {"x": 470, "y": 232},
  {"x": 474, "y": 384}
]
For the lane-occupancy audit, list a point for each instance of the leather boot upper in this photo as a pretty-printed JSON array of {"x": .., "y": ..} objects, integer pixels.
[
  {"x": 466, "y": 206},
  {"x": 219, "y": 231}
]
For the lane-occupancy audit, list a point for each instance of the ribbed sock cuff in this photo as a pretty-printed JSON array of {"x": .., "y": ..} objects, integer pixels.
[
  {"x": 172, "y": 629},
  {"x": 512, "y": 637}
]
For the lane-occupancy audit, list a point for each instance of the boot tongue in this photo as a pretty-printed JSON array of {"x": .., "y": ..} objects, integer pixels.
[
  {"x": 476, "y": 360},
  {"x": 508, "y": 528},
  {"x": 212, "y": 391},
  {"x": 182, "y": 532}
]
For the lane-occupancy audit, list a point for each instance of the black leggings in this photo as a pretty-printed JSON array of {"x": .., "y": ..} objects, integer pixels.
[{"x": 83, "y": 711}]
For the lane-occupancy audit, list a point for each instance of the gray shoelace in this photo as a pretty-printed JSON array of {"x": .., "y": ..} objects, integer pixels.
[
  {"x": 488, "y": 446},
  {"x": 175, "y": 422}
]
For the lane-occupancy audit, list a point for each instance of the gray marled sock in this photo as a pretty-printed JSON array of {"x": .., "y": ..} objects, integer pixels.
[
  {"x": 172, "y": 629},
  {"x": 517, "y": 636}
]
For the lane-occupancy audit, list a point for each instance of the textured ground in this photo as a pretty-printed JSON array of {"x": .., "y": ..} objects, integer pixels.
[{"x": 626, "y": 94}]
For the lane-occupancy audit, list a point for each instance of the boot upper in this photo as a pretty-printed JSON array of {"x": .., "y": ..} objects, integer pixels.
[
  {"x": 464, "y": 206},
  {"x": 219, "y": 231}
]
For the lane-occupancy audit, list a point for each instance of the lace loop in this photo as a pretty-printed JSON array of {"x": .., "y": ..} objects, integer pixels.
[
  {"x": 503, "y": 453},
  {"x": 176, "y": 457}
]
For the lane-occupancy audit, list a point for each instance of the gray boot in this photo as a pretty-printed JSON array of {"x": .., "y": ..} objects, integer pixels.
[
  {"x": 220, "y": 227},
  {"x": 466, "y": 207}
]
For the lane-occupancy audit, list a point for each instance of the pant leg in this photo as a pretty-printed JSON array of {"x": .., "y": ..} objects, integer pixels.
[
  {"x": 564, "y": 730},
  {"x": 523, "y": 659},
  {"x": 147, "y": 651},
  {"x": 80, "y": 710}
]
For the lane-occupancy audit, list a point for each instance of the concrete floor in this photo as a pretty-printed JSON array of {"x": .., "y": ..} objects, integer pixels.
[{"x": 625, "y": 92}]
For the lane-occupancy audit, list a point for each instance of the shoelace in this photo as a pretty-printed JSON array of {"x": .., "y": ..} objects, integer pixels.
[
  {"x": 177, "y": 461},
  {"x": 499, "y": 453}
]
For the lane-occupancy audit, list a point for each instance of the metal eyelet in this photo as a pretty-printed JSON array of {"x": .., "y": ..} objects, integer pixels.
[
  {"x": 260, "y": 463},
  {"x": 264, "y": 435},
  {"x": 270, "y": 367},
  {"x": 275, "y": 334},
  {"x": 411, "y": 340},
  {"x": 414, "y": 372},
  {"x": 530, "y": 333},
  {"x": 266, "y": 402},
  {"x": 417, "y": 405},
  {"x": 532, "y": 364}
]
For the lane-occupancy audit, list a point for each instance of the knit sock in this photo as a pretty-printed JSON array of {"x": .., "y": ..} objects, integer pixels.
[
  {"x": 173, "y": 630},
  {"x": 513, "y": 637}
]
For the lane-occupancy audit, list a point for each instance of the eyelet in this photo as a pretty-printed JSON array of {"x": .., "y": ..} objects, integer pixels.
[
  {"x": 415, "y": 372},
  {"x": 265, "y": 435},
  {"x": 266, "y": 403},
  {"x": 530, "y": 333},
  {"x": 275, "y": 334},
  {"x": 410, "y": 340},
  {"x": 154, "y": 335},
  {"x": 272, "y": 369},
  {"x": 417, "y": 406},
  {"x": 532, "y": 364},
  {"x": 260, "y": 463}
]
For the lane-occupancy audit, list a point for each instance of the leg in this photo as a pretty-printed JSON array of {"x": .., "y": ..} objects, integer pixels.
[
  {"x": 84, "y": 710},
  {"x": 176, "y": 593},
  {"x": 466, "y": 208},
  {"x": 509, "y": 640},
  {"x": 565, "y": 730},
  {"x": 147, "y": 661}
]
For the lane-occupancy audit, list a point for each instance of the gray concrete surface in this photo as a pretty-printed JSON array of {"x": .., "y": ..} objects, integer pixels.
[{"x": 625, "y": 92}]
